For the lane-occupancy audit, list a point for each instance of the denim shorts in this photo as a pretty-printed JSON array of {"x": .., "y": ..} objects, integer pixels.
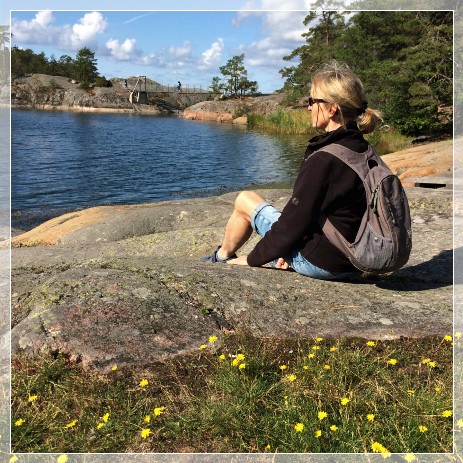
[{"x": 262, "y": 219}]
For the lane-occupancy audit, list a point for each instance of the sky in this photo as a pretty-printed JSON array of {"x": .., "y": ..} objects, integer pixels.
[{"x": 167, "y": 46}]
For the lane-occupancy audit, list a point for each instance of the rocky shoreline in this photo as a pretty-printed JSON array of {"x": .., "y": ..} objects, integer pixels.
[{"x": 102, "y": 284}]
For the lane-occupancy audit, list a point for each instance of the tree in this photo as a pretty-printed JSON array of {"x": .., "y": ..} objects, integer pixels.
[
  {"x": 322, "y": 40},
  {"x": 236, "y": 77},
  {"x": 404, "y": 59},
  {"x": 216, "y": 86},
  {"x": 85, "y": 70},
  {"x": 65, "y": 66},
  {"x": 4, "y": 52}
]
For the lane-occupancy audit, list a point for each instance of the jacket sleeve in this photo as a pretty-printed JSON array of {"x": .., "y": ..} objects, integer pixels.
[{"x": 300, "y": 214}]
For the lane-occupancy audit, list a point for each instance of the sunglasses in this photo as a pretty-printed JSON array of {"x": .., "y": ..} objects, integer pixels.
[{"x": 312, "y": 101}]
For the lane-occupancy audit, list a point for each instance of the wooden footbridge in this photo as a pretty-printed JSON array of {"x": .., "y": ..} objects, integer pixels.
[{"x": 168, "y": 97}]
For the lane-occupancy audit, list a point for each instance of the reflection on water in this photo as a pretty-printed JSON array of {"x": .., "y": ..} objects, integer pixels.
[{"x": 67, "y": 161}]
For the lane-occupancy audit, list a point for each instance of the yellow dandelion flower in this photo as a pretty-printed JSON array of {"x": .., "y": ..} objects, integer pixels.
[
  {"x": 114, "y": 368},
  {"x": 267, "y": 447},
  {"x": 144, "y": 382},
  {"x": 333, "y": 349},
  {"x": 159, "y": 410},
  {"x": 32, "y": 398},
  {"x": 410, "y": 391},
  {"x": 292, "y": 378},
  {"x": 315, "y": 347},
  {"x": 318, "y": 339},
  {"x": 326, "y": 367},
  {"x": 333, "y": 427},
  {"x": 19, "y": 422},
  {"x": 370, "y": 417},
  {"x": 458, "y": 335},
  {"x": 240, "y": 357},
  {"x": 318, "y": 433},
  {"x": 371, "y": 343},
  {"x": 305, "y": 367},
  {"x": 299, "y": 427},
  {"x": 13, "y": 459},
  {"x": 212, "y": 339},
  {"x": 203, "y": 346},
  {"x": 105, "y": 417},
  {"x": 222, "y": 357},
  {"x": 425, "y": 361},
  {"x": 422, "y": 428},
  {"x": 392, "y": 361},
  {"x": 409, "y": 457},
  {"x": 447, "y": 413},
  {"x": 460, "y": 423},
  {"x": 283, "y": 367},
  {"x": 242, "y": 366},
  {"x": 62, "y": 459},
  {"x": 378, "y": 448},
  {"x": 437, "y": 389},
  {"x": 145, "y": 433},
  {"x": 448, "y": 338},
  {"x": 311, "y": 356},
  {"x": 344, "y": 401},
  {"x": 147, "y": 419},
  {"x": 322, "y": 415},
  {"x": 71, "y": 424},
  {"x": 99, "y": 425},
  {"x": 432, "y": 364},
  {"x": 235, "y": 362}
]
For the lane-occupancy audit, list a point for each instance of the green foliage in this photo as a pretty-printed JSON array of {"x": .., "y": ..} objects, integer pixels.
[
  {"x": 283, "y": 122},
  {"x": 83, "y": 68},
  {"x": 103, "y": 82},
  {"x": 246, "y": 395},
  {"x": 236, "y": 82},
  {"x": 404, "y": 59}
]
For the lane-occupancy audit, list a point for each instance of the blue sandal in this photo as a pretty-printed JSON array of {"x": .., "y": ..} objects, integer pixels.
[{"x": 214, "y": 258}]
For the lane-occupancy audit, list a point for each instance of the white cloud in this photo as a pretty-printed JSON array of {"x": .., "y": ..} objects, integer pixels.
[
  {"x": 43, "y": 18},
  {"x": 41, "y": 31},
  {"x": 281, "y": 31},
  {"x": 121, "y": 51},
  {"x": 212, "y": 55},
  {"x": 87, "y": 29},
  {"x": 38, "y": 30},
  {"x": 181, "y": 51}
]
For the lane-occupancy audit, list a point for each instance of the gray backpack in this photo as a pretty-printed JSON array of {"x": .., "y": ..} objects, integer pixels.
[{"x": 384, "y": 239}]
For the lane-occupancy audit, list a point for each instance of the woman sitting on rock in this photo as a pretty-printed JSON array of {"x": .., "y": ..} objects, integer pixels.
[{"x": 293, "y": 238}]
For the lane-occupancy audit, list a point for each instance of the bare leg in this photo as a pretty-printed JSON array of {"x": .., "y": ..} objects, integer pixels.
[{"x": 239, "y": 229}]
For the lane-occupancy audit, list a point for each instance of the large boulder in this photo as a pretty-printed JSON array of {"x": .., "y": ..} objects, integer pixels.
[{"x": 125, "y": 285}]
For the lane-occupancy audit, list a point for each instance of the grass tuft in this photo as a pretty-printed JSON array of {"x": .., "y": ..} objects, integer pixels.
[{"x": 244, "y": 395}]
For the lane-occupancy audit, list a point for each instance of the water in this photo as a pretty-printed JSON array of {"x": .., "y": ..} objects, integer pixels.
[{"x": 69, "y": 161}]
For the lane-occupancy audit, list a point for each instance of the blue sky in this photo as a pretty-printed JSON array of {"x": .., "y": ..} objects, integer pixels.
[{"x": 167, "y": 46}]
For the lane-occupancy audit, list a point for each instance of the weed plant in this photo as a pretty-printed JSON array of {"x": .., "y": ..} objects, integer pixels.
[
  {"x": 244, "y": 394},
  {"x": 298, "y": 122}
]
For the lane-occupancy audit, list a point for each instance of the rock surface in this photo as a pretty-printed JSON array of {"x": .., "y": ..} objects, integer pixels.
[
  {"x": 124, "y": 284},
  {"x": 229, "y": 110}
]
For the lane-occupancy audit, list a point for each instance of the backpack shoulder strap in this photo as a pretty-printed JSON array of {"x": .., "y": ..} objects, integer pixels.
[{"x": 359, "y": 162}]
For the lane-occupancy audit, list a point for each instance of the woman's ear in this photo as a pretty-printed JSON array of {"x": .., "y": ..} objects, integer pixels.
[{"x": 334, "y": 110}]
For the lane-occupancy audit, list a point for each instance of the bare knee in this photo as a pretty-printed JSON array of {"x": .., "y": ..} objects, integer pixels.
[{"x": 247, "y": 201}]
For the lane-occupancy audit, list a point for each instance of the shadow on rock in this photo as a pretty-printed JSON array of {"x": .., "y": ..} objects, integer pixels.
[{"x": 434, "y": 273}]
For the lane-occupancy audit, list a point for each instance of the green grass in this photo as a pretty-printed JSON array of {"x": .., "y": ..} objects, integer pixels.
[
  {"x": 298, "y": 122},
  {"x": 213, "y": 406}
]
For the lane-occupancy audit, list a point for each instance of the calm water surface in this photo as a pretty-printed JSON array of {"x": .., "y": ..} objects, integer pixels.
[{"x": 68, "y": 161}]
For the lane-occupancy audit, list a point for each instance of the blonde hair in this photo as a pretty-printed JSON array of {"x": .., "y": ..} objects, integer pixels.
[{"x": 336, "y": 83}]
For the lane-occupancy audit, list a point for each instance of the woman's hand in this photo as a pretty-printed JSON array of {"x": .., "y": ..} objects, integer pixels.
[
  {"x": 282, "y": 264},
  {"x": 241, "y": 260}
]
